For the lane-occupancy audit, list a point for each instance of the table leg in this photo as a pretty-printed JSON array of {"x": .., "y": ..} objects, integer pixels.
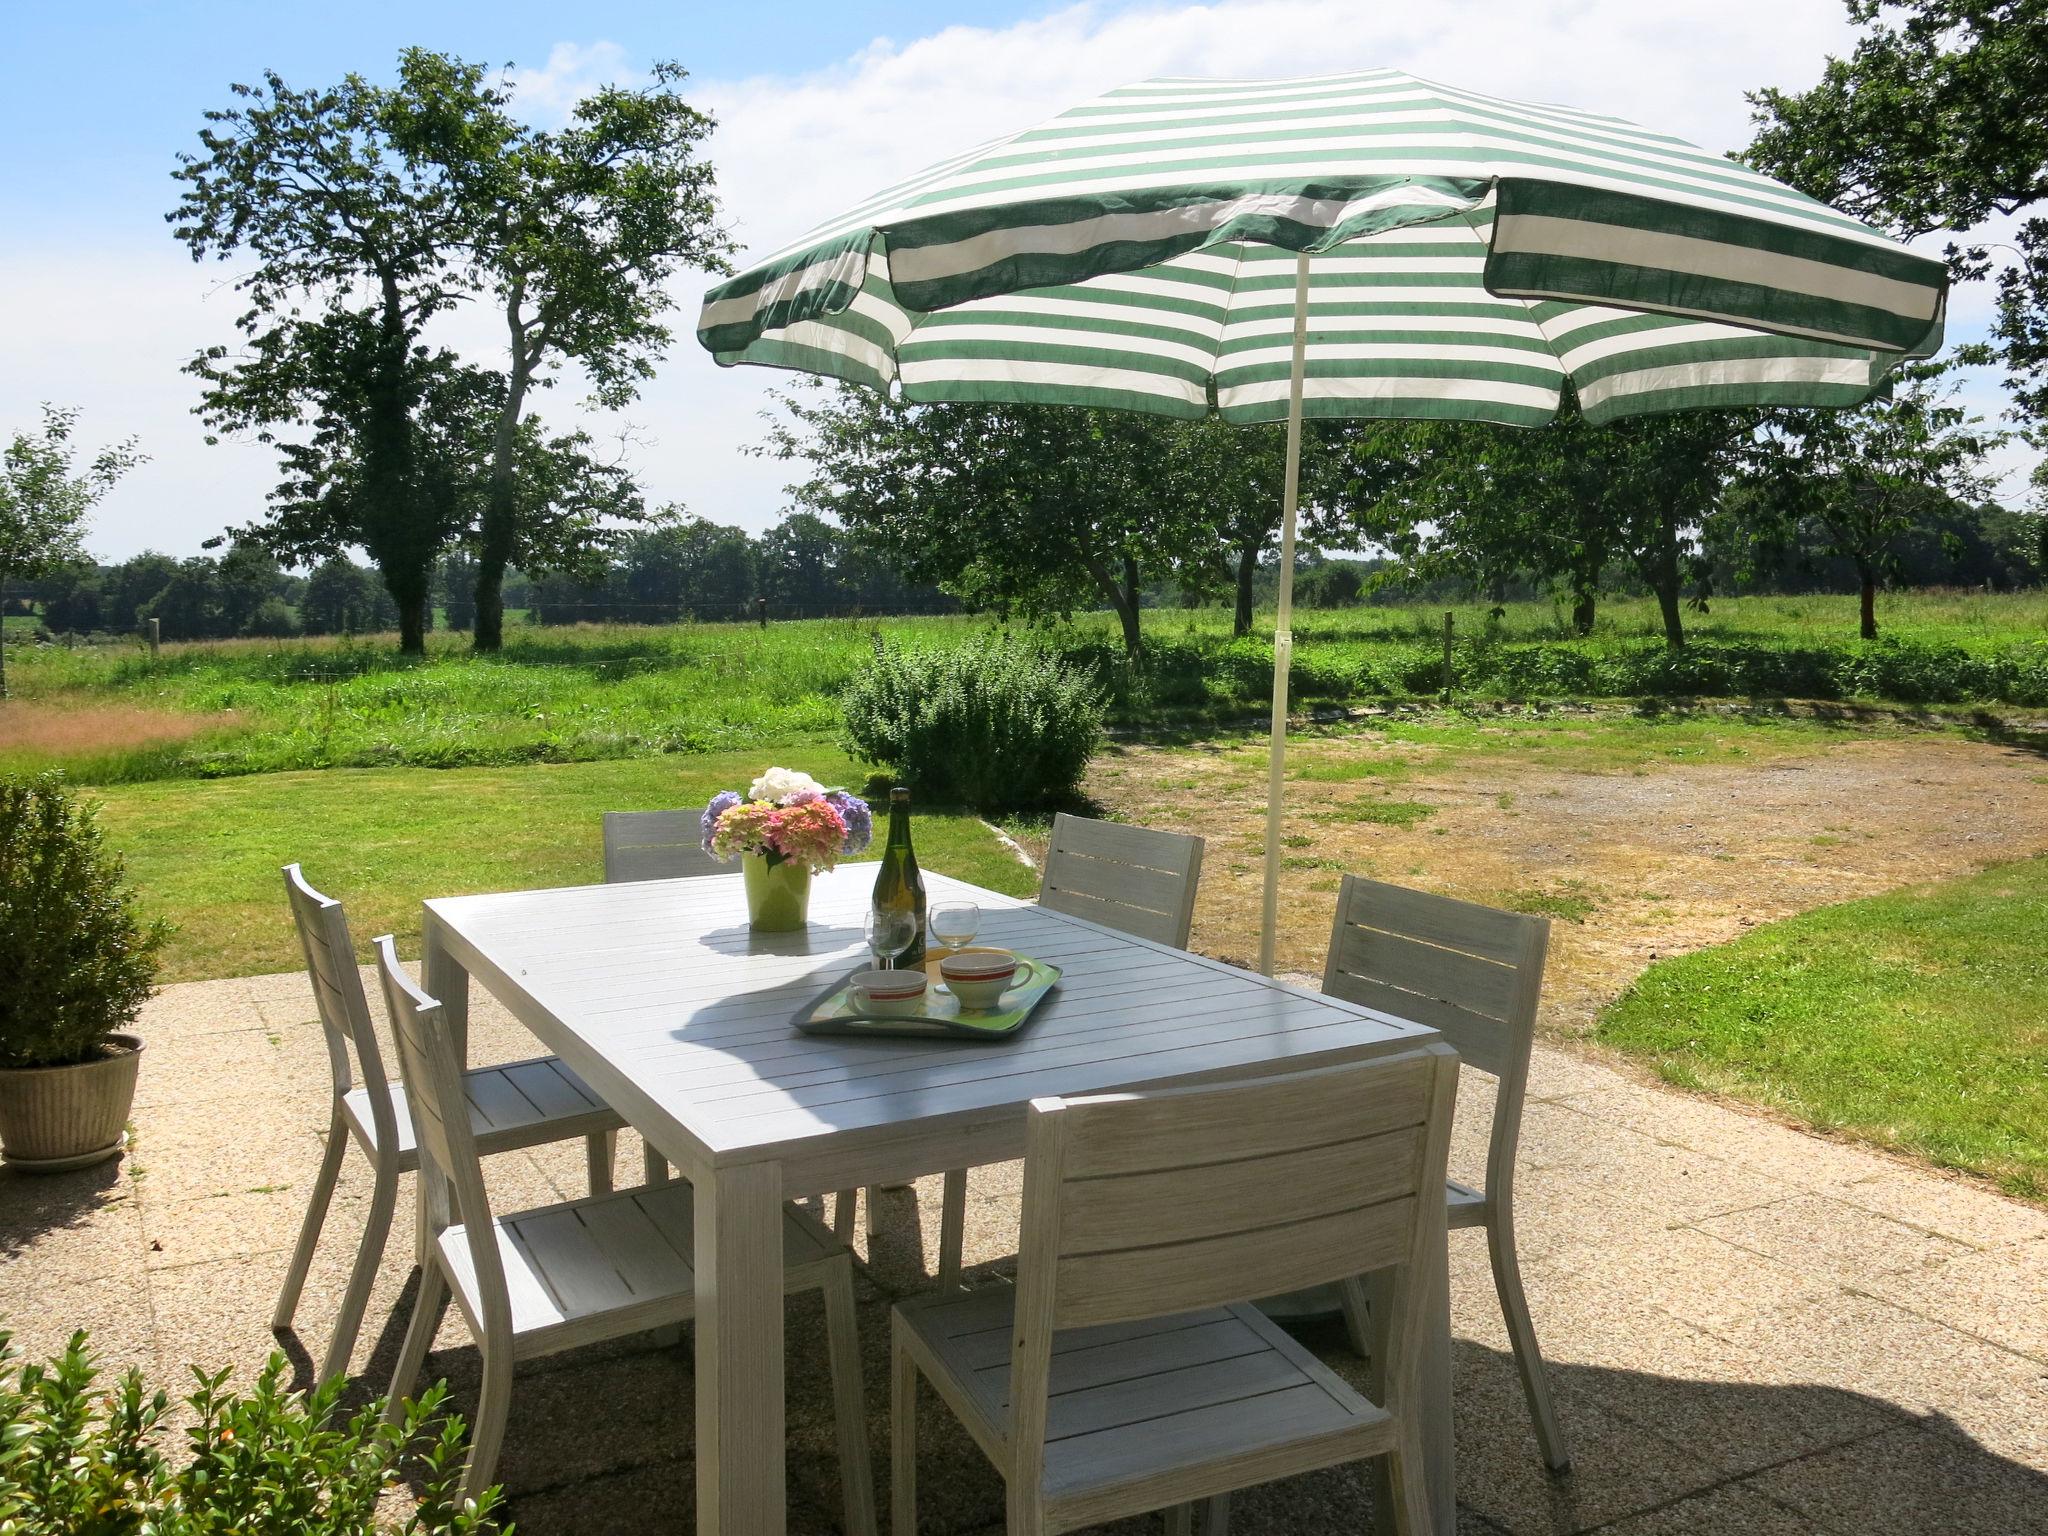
[
  {"x": 443, "y": 978},
  {"x": 740, "y": 1475}
]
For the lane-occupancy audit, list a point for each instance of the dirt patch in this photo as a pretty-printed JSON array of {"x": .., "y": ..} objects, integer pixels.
[{"x": 1631, "y": 864}]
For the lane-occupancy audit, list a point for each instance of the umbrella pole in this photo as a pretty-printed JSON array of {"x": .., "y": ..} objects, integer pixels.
[{"x": 1283, "y": 633}]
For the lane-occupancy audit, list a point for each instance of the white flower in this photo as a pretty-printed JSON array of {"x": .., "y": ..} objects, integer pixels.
[{"x": 778, "y": 784}]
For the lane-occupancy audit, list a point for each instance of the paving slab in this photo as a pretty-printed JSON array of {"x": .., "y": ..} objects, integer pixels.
[{"x": 1748, "y": 1328}]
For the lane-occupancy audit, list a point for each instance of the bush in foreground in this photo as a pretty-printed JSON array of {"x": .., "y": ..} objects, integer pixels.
[
  {"x": 988, "y": 723},
  {"x": 75, "y": 1460}
]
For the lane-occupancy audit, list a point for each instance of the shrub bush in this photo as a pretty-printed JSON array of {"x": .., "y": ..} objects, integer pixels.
[
  {"x": 74, "y": 1459},
  {"x": 988, "y": 724},
  {"x": 76, "y": 961}
]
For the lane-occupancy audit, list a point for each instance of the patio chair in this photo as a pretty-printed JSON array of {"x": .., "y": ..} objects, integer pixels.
[
  {"x": 557, "y": 1277},
  {"x": 1125, "y": 1371},
  {"x": 656, "y": 845},
  {"x": 1134, "y": 879},
  {"x": 519, "y": 1104},
  {"x": 1475, "y": 974}
]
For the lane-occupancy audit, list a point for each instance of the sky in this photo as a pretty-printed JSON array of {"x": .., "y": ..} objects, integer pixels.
[{"x": 818, "y": 105}]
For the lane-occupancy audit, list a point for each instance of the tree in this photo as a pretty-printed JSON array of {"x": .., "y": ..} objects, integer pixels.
[
  {"x": 1934, "y": 121},
  {"x": 341, "y": 598},
  {"x": 351, "y": 243},
  {"x": 1868, "y": 476},
  {"x": 573, "y": 233},
  {"x": 44, "y": 500},
  {"x": 1026, "y": 508}
]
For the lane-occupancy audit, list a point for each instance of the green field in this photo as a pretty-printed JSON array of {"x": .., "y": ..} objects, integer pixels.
[
  {"x": 1917, "y": 1020},
  {"x": 597, "y": 693}
]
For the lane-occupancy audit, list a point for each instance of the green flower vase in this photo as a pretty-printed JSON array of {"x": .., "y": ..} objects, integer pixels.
[{"x": 778, "y": 895}]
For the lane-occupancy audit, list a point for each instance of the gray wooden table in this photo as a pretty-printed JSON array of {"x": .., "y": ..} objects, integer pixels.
[{"x": 666, "y": 1003}]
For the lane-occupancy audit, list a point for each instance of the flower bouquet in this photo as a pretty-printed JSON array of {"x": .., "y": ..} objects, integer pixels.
[{"x": 785, "y": 828}]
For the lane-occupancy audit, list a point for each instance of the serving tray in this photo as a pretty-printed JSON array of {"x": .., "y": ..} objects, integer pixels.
[{"x": 832, "y": 1013}]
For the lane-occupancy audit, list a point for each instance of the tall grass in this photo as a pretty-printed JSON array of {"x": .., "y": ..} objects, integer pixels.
[{"x": 602, "y": 692}]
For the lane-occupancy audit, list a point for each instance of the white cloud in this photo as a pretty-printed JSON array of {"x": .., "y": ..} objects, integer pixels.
[{"x": 109, "y": 330}]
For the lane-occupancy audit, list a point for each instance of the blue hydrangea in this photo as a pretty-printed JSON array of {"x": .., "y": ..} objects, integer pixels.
[
  {"x": 721, "y": 802},
  {"x": 860, "y": 821}
]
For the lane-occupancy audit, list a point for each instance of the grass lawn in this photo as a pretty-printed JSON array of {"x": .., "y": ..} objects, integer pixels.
[
  {"x": 205, "y": 853},
  {"x": 1918, "y": 1020}
]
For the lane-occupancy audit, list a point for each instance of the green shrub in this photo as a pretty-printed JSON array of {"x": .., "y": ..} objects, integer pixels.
[
  {"x": 987, "y": 723},
  {"x": 76, "y": 1460},
  {"x": 76, "y": 962}
]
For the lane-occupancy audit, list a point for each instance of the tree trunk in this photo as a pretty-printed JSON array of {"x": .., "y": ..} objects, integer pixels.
[
  {"x": 498, "y": 536},
  {"x": 1662, "y": 572},
  {"x": 1582, "y": 612},
  {"x": 1247, "y": 573},
  {"x": 1868, "y": 578},
  {"x": 1122, "y": 596},
  {"x": 1674, "y": 624}
]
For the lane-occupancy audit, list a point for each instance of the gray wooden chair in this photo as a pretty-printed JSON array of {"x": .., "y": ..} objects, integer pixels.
[
  {"x": 656, "y": 845},
  {"x": 1475, "y": 974},
  {"x": 1125, "y": 1371},
  {"x": 1136, "y": 880},
  {"x": 539, "y": 1281},
  {"x": 519, "y": 1104}
]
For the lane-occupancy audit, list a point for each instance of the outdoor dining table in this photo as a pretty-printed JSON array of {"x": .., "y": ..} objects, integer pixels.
[{"x": 666, "y": 1003}]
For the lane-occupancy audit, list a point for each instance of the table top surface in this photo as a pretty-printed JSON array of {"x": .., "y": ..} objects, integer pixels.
[{"x": 669, "y": 1004}]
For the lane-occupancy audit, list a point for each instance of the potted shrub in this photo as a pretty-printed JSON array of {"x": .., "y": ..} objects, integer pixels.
[{"x": 76, "y": 963}]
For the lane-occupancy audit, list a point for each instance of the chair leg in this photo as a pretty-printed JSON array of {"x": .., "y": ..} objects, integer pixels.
[
  {"x": 599, "y": 1150},
  {"x": 656, "y": 1166},
  {"x": 902, "y": 1438},
  {"x": 1216, "y": 1515},
  {"x": 1357, "y": 1319},
  {"x": 1514, "y": 1308},
  {"x": 356, "y": 1299},
  {"x": 1409, "y": 1484},
  {"x": 952, "y": 1228},
  {"x": 845, "y": 1205},
  {"x": 487, "y": 1438},
  {"x": 427, "y": 1308},
  {"x": 1180, "y": 1520},
  {"x": 316, "y": 1218},
  {"x": 849, "y": 1402}
]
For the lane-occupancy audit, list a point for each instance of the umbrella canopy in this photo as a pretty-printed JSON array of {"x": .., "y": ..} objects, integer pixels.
[{"x": 1363, "y": 245}]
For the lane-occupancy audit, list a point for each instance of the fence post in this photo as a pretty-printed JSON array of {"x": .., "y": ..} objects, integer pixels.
[
  {"x": 761, "y": 610},
  {"x": 156, "y": 635},
  {"x": 1448, "y": 621}
]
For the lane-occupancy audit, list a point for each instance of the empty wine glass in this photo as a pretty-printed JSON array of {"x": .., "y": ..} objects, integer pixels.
[
  {"x": 890, "y": 931},
  {"x": 955, "y": 923}
]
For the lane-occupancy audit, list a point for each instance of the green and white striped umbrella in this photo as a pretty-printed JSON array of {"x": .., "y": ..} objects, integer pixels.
[{"x": 1366, "y": 245}]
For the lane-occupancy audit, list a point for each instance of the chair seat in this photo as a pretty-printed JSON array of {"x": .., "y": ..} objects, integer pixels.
[
  {"x": 1158, "y": 1400},
  {"x": 611, "y": 1265},
  {"x": 1467, "y": 1205},
  {"x": 518, "y": 1104}
]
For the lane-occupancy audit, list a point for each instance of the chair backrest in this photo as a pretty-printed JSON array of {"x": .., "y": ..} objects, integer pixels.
[
  {"x": 1149, "y": 1204},
  {"x": 1471, "y": 972},
  {"x": 1134, "y": 879},
  {"x": 338, "y": 995},
  {"x": 656, "y": 845},
  {"x": 451, "y": 1173}
]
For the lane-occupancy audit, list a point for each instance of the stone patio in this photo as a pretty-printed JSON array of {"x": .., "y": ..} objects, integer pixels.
[{"x": 1750, "y": 1329}]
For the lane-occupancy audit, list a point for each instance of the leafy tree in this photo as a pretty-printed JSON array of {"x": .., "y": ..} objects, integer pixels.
[
  {"x": 1935, "y": 121},
  {"x": 1031, "y": 509},
  {"x": 1867, "y": 476},
  {"x": 351, "y": 244},
  {"x": 44, "y": 499},
  {"x": 574, "y": 235},
  {"x": 341, "y": 598}
]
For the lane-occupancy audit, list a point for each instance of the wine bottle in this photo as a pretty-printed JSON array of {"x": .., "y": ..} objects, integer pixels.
[{"x": 899, "y": 886}]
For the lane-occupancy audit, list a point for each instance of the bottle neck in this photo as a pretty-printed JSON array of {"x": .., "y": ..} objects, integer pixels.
[{"x": 899, "y": 824}]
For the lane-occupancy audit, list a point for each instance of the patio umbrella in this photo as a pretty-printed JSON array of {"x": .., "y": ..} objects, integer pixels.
[{"x": 1361, "y": 245}]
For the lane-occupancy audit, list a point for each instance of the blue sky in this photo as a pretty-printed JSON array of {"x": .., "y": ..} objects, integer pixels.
[{"x": 818, "y": 105}]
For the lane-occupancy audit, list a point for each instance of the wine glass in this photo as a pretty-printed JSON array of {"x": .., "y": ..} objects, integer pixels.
[
  {"x": 890, "y": 931},
  {"x": 955, "y": 923}
]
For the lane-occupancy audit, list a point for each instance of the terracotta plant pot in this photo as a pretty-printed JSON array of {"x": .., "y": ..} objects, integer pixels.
[
  {"x": 53, "y": 1118},
  {"x": 778, "y": 895}
]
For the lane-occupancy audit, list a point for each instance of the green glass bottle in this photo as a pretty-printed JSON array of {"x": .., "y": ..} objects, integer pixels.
[{"x": 899, "y": 885}]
